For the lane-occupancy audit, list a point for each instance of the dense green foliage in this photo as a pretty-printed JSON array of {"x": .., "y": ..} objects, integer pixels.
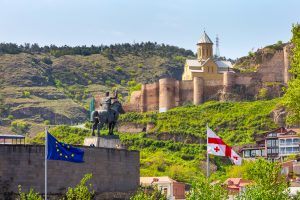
[
  {"x": 204, "y": 189},
  {"x": 19, "y": 126},
  {"x": 292, "y": 95},
  {"x": 235, "y": 122},
  {"x": 149, "y": 193},
  {"x": 109, "y": 51},
  {"x": 31, "y": 195},
  {"x": 268, "y": 183},
  {"x": 160, "y": 158},
  {"x": 82, "y": 191},
  {"x": 64, "y": 134}
]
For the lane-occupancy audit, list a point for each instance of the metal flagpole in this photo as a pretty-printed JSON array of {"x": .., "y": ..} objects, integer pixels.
[
  {"x": 207, "y": 156},
  {"x": 46, "y": 153}
]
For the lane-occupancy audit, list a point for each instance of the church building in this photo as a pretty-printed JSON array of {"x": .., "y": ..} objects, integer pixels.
[{"x": 205, "y": 66}]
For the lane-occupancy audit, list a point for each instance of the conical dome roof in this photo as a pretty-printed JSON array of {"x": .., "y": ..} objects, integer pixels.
[{"x": 205, "y": 39}]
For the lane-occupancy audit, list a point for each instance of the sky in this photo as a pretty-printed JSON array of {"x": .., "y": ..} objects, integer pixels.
[{"x": 242, "y": 25}]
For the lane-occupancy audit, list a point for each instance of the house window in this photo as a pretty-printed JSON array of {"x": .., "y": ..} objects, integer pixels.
[
  {"x": 296, "y": 149},
  {"x": 253, "y": 154},
  {"x": 263, "y": 152},
  {"x": 258, "y": 152},
  {"x": 272, "y": 135},
  {"x": 282, "y": 150},
  {"x": 247, "y": 153},
  {"x": 296, "y": 140},
  {"x": 282, "y": 141},
  {"x": 269, "y": 143},
  {"x": 272, "y": 143},
  {"x": 289, "y": 150},
  {"x": 289, "y": 141}
]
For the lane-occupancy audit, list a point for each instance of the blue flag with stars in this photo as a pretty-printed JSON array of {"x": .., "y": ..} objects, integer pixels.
[{"x": 61, "y": 151}]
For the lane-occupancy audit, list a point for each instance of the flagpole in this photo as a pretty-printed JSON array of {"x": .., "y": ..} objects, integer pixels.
[
  {"x": 46, "y": 153},
  {"x": 207, "y": 156}
]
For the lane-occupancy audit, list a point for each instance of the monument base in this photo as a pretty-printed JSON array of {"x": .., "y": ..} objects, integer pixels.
[{"x": 107, "y": 141}]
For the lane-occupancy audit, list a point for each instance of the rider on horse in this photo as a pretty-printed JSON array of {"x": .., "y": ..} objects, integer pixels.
[{"x": 106, "y": 101}]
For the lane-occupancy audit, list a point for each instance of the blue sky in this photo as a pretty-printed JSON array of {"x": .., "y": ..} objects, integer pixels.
[{"x": 241, "y": 25}]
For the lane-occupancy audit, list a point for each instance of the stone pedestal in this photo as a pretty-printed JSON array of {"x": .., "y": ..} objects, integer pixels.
[{"x": 107, "y": 141}]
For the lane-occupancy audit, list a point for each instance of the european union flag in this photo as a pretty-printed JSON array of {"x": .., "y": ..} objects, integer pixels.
[{"x": 60, "y": 151}]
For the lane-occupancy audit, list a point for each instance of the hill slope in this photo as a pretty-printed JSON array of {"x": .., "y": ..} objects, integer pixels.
[
  {"x": 182, "y": 160},
  {"x": 54, "y": 83}
]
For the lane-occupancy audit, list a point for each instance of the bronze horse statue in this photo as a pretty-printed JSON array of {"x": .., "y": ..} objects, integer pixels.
[{"x": 109, "y": 117}]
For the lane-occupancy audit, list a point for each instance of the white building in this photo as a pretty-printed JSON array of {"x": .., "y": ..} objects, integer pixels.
[{"x": 172, "y": 189}]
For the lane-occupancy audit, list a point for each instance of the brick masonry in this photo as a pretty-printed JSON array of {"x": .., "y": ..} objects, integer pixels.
[
  {"x": 115, "y": 171},
  {"x": 168, "y": 93}
]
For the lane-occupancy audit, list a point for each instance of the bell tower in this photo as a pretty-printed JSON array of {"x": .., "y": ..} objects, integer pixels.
[{"x": 205, "y": 47}]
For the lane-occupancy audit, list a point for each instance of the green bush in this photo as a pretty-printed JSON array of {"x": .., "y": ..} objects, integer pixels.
[
  {"x": 47, "y": 122},
  {"x": 262, "y": 94},
  {"x": 66, "y": 134},
  {"x": 10, "y": 117},
  {"x": 31, "y": 195},
  {"x": 26, "y": 94},
  {"x": 20, "y": 127},
  {"x": 140, "y": 65},
  {"x": 204, "y": 189},
  {"x": 118, "y": 68},
  {"x": 292, "y": 96},
  {"x": 82, "y": 191},
  {"x": 149, "y": 193}
]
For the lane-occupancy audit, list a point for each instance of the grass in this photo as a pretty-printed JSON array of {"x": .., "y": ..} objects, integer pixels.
[{"x": 236, "y": 122}]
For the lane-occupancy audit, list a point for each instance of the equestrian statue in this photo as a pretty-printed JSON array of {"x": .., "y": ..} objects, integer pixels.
[{"x": 108, "y": 114}]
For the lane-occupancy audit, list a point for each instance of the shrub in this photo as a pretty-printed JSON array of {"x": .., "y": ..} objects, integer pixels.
[
  {"x": 58, "y": 83},
  {"x": 82, "y": 191},
  {"x": 47, "y": 122},
  {"x": 47, "y": 60},
  {"x": 32, "y": 195},
  {"x": 26, "y": 94},
  {"x": 118, "y": 68},
  {"x": 203, "y": 189},
  {"x": 262, "y": 94},
  {"x": 140, "y": 65},
  {"x": 19, "y": 127},
  {"x": 10, "y": 117},
  {"x": 150, "y": 193}
]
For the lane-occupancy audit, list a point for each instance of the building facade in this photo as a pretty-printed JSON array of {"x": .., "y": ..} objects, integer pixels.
[
  {"x": 206, "y": 78},
  {"x": 273, "y": 145},
  {"x": 172, "y": 189}
]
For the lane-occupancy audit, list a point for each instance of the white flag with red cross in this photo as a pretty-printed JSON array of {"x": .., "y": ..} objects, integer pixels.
[{"x": 216, "y": 146}]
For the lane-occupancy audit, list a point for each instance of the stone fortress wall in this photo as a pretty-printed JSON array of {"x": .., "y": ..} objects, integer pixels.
[
  {"x": 115, "y": 172},
  {"x": 168, "y": 93}
]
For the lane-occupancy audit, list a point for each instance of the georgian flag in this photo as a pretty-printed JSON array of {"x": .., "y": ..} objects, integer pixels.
[{"x": 216, "y": 146}]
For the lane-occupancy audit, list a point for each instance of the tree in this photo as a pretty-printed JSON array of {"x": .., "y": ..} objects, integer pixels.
[
  {"x": 292, "y": 96},
  {"x": 268, "y": 184},
  {"x": 204, "y": 189}
]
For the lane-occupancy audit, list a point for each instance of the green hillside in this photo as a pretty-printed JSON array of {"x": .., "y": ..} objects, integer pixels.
[
  {"x": 54, "y": 84},
  {"x": 236, "y": 122}
]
